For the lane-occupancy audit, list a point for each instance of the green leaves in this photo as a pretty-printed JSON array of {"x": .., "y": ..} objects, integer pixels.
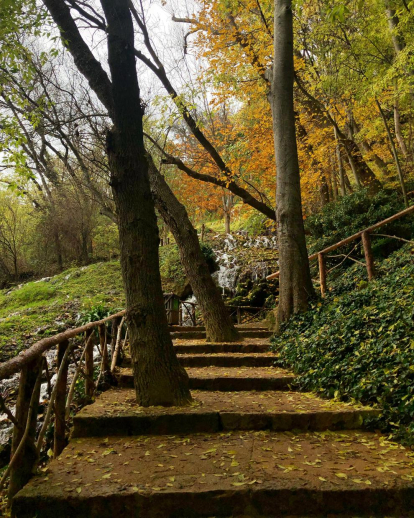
[
  {"x": 358, "y": 346},
  {"x": 339, "y": 13}
]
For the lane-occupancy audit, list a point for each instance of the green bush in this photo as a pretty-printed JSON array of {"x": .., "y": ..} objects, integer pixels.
[
  {"x": 209, "y": 256},
  {"x": 355, "y": 212},
  {"x": 172, "y": 272},
  {"x": 359, "y": 345},
  {"x": 256, "y": 224}
]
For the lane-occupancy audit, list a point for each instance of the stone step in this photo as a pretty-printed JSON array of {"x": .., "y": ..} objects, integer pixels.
[
  {"x": 115, "y": 412},
  {"x": 212, "y": 348},
  {"x": 221, "y": 360},
  {"x": 196, "y": 335},
  {"x": 243, "y": 474},
  {"x": 189, "y": 329},
  {"x": 226, "y": 379},
  {"x": 241, "y": 327}
]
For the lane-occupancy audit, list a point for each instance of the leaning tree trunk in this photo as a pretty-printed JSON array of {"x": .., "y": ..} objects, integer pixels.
[
  {"x": 219, "y": 326},
  {"x": 295, "y": 284},
  {"x": 158, "y": 376}
]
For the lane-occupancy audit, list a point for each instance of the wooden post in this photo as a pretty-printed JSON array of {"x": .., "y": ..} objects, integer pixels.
[
  {"x": 322, "y": 273},
  {"x": 89, "y": 383},
  {"x": 239, "y": 318},
  {"x": 116, "y": 346},
  {"x": 114, "y": 333},
  {"x": 104, "y": 347},
  {"x": 60, "y": 402},
  {"x": 21, "y": 472},
  {"x": 369, "y": 258}
]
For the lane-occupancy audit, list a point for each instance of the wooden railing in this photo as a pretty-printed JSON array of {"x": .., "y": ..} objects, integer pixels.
[
  {"x": 365, "y": 236},
  {"x": 33, "y": 368},
  {"x": 73, "y": 347},
  {"x": 246, "y": 314},
  {"x": 190, "y": 309},
  {"x": 239, "y": 314}
]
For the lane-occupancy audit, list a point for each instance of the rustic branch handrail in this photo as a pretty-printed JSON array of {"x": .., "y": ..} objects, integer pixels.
[
  {"x": 353, "y": 237},
  {"x": 16, "y": 364}
]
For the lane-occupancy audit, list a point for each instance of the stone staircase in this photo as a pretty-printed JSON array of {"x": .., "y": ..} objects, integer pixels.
[{"x": 249, "y": 446}]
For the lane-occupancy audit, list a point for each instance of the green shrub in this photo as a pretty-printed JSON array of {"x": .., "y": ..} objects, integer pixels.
[
  {"x": 355, "y": 212},
  {"x": 209, "y": 256},
  {"x": 256, "y": 224},
  {"x": 172, "y": 272},
  {"x": 359, "y": 344}
]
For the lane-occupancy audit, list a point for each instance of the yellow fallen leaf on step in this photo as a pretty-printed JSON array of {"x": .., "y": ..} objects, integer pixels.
[
  {"x": 323, "y": 479},
  {"x": 79, "y": 490},
  {"x": 341, "y": 475}
]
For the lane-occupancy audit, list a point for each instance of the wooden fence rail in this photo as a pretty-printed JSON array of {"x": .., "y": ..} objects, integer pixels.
[
  {"x": 27, "y": 444},
  {"x": 33, "y": 368},
  {"x": 365, "y": 236}
]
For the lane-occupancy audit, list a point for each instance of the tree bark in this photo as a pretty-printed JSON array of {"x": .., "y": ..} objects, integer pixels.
[
  {"x": 22, "y": 471},
  {"x": 60, "y": 402},
  {"x": 398, "y": 131},
  {"x": 219, "y": 327},
  {"x": 324, "y": 191},
  {"x": 295, "y": 284},
  {"x": 158, "y": 376},
  {"x": 395, "y": 154}
]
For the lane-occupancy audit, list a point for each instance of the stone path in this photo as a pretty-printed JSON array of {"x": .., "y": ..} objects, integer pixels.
[{"x": 248, "y": 447}]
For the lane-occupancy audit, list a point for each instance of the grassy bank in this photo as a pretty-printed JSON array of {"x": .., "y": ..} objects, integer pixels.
[
  {"x": 46, "y": 307},
  {"x": 358, "y": 343}
]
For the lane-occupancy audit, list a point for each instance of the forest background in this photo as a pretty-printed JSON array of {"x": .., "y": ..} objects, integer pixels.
[{"x": 354, "y": 117}]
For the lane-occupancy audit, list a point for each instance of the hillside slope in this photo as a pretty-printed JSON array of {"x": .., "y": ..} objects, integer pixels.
[{"x": 358, "y": 343}]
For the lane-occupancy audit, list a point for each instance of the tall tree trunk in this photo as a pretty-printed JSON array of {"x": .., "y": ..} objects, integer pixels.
[
  {"x": 158, "y": 376},
  {"x": 219, "y": 326},
  {"x": 295, "y": 284},
  {"x": 58, "y": 249},
  {"x": 341, "y": 169},
  {"x": 227, "y": 221},
  {"x": 84, "y": 245},
  {"x": 227, "y": 206},
  {"x": 400, "y": 174},
  {"x": 324, "y": 191},
  {"x": 333, "y": 179},
  {"x": 398, "y": 131}
]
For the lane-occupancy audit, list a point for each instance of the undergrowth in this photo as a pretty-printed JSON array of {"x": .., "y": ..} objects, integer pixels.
[{"x": 358, "y": 343}]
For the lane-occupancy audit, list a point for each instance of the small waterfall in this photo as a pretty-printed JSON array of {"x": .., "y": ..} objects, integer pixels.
[
  {"x": 185, "y": 311},
  {"x": 229, "y": 263}
]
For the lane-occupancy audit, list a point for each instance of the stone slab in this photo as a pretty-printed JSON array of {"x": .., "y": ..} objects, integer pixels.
[
  {"x": 115, "y": 412},
  {"x": 248, "y": 474}
]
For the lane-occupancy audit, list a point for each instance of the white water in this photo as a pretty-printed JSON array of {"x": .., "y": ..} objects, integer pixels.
[{"x": 226, "y": 257}]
